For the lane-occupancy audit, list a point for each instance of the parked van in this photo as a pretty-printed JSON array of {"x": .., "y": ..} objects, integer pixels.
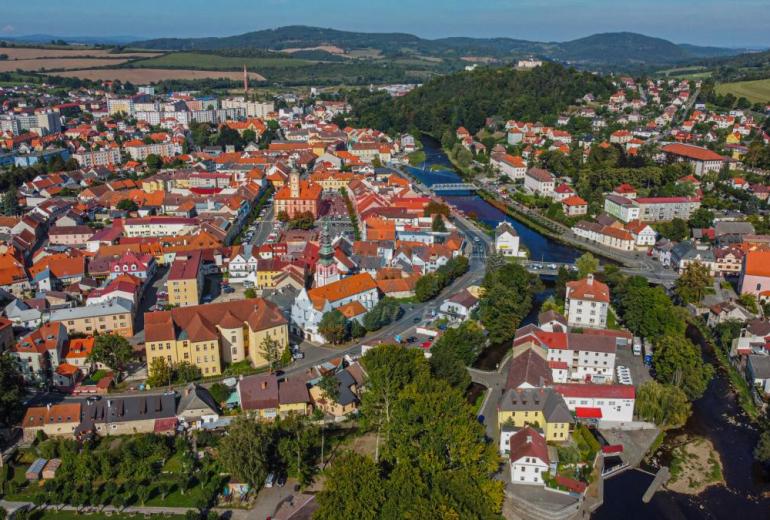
[{"x": 637, "y": 346}]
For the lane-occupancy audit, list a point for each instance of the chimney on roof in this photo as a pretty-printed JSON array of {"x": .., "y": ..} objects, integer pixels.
[
  {"x": 590, "y": 279},
  {"x": 529, "y": 439},
  {"x": 264, "y": 385}
]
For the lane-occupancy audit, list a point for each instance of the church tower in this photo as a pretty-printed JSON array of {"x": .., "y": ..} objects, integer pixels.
[
  {"x": 326, "y": 270},
  {"x": 294, "y": 184}
]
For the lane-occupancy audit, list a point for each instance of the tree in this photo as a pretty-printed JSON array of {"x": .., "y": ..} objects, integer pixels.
[
  {"x": 330, "y": 386},
  {"x": 113, "y": 351},
  {"x": 647, "y": 311},
  {"x": 304, "y": 220},
  {"x": 229, "y": 137},
  {"x": 665, "y": 405},
  {"x": 245, "y": 451},
  {"x": 444, "y": 364},
  {"x": 9, "y": 204},
  {"x": 465, "y": 341},
  {"x": 250, "y": 293},
  {"x": 127, "y": 205},
  {"x": 353, "y": 490},
  {"x": 701, "y": 218},
  {"x": 586, "y": 264},
  {"x": 762, "y": 450},
  {"x": 694, "y": 283},
  {"x": 160, "y": 373},
  {"x": 271, "y": 350},
  {"x": 283, "y": 216},
  {"x": 384, "y": 313},
  {"x": 298, "y": 444},
  {"x": 389, "y": 369},
  {"x": 333, "y": 327},
  {"x": 12, "y": 384},
  {"x": 220, "y": 392},
  {"x": 438, "y": 224},
  {"x": 249, "y": 136},
  {"x": 153, "y": 161},
  {"x": 435, "y": 434},
  {"x": 186, "y": 372},
  {"x": 749, "y": 301},
  {"x": 427, "y": 287},
  {"x": 678, "y": 362},
  {"x": 437, "y": 208},
  {"x": 506, "y": 301}
]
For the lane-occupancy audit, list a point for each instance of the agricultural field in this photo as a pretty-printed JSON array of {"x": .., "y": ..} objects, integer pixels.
[
  {"x": 28, "y": 53},
  {"x": 194, "y": 60},
  {"x": 141, "y": 76},
  {"x": 757, "y": 91},
  {"x": 34, "y": 65}
]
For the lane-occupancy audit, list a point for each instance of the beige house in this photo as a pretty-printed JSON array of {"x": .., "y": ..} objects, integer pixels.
[
  {"x": 206, "y": 335},
  {"x": 57, "y": 420},
  {"x": 185, "y": 280}
]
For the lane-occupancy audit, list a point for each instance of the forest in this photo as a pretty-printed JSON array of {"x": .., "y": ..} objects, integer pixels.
[{"x": 469, "y": 98}]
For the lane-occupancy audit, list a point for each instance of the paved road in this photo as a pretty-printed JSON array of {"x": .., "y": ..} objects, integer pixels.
[{"x": 265, "y": 226}]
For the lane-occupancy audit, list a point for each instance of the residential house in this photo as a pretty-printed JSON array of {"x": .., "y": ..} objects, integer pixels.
[
  {"x": 207, "y": 335},
  {"x": 506, "y": 240},
  {"x": 539, "y": 182},
  {"x": 528, "y": 457},
  {"x": 542, "y": 408},
  {"x": 587, "y": 303}
]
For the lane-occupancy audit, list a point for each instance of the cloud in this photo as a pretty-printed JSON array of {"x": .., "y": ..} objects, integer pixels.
[{"x": 7, "y": 29}]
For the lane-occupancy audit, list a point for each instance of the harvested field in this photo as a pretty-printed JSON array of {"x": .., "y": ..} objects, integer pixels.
[
  {"x": 141, "y": 76},
  {"x": 24, "y": 53},
  {"x": 757, "y": 91},
  {"x": 58, "y": 64},
  {"x": 331, "y": 49}
]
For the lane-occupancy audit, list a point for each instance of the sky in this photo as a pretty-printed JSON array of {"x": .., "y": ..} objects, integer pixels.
[{"x": 728, "y": 23}]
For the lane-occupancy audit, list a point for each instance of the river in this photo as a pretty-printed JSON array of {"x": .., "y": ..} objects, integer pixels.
[{"x": 716, "y": 415}]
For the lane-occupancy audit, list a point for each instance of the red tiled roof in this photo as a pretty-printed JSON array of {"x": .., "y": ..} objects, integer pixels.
[
  {"x": 692, "y": 152},
  {"x": 591, "y": 390}
]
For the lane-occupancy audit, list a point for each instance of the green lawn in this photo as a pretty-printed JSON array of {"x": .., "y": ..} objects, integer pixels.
[
  {"x": 757, "y": 91},
  {"x": 73, "y": 515},
  {"x": 194, "y": 60}
]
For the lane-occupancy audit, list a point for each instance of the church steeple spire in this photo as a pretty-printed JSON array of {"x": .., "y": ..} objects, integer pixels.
[{"x": 326, "y": 270}]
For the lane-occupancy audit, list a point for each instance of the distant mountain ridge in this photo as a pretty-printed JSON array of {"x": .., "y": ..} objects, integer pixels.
[
  {"x": 88, "y": 40},
  {"x": 606, "y": 49}
]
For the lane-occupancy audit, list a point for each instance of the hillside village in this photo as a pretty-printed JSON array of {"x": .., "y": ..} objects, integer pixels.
[{"x": 183, "y": 272}]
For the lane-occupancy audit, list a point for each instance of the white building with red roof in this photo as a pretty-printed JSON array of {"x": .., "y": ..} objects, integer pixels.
[
  {"x": 587, "y": 302},
  {"x": 703, "y": 160},
  {"x": 528, "y": 456},
  {"x": 604, "y": 405}
]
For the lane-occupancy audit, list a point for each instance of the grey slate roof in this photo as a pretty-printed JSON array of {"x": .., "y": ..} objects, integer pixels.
[
  {"x": 196, "y": 397},
  {"x": 546, "y": 400}
]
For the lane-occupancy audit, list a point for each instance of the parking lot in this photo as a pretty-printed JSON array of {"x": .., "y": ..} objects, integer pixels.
[{"x": 625, "y": 357}]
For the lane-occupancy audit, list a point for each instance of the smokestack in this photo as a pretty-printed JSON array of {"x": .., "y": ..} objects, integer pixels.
[{"x": 245, "y": 81}]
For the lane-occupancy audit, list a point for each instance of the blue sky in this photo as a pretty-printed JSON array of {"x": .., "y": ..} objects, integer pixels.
[{"x": 705, "y": 22}]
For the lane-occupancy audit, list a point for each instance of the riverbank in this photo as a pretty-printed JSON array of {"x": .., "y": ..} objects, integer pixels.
[
  {"x": 695, "y": 466},
  {"x": 738, "y": 383}
]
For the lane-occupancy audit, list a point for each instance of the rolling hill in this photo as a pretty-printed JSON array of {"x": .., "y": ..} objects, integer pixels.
[{"x": 597, "y": 51}]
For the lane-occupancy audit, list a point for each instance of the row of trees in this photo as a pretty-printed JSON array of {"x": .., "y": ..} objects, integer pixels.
[
  {"x": 252, "y": 449},
  {"x": 431, "y": 284},
  {"x": 507, "y": 299},
  {"x": 431, "y": 458}
]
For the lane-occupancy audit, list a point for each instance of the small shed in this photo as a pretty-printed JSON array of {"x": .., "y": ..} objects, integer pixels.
[
  {"x": 49, "y": 471},
  {"x": 35, "y": 470}
]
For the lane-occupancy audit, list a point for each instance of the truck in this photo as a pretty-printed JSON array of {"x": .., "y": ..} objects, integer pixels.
[
  {"x": 648, "y": 352},
  {"x": 637, "y": 346}
]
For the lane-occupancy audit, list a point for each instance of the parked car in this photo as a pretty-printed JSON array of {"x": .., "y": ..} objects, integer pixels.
[
  {"x": 228, "y": 290},
  {"x": 270, "y": 480}
]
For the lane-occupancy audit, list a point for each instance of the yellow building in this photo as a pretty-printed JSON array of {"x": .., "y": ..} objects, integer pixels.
[
  {"x": 185, "y": 280},
  {"x": 541, "y": 408},
  {"x": 207, "y": 335}
]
